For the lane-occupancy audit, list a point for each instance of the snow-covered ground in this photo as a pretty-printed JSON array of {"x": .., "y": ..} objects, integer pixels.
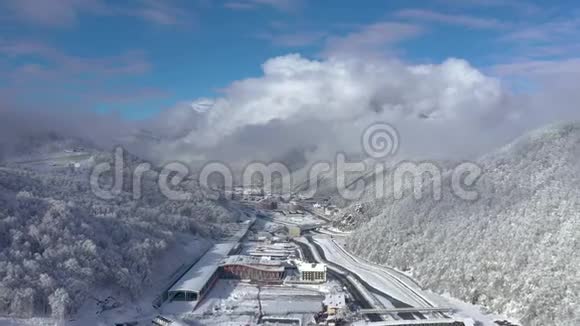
[
  {"x": 467, "y": 310},
  {"x": 306, "y": 219},
  {"x": 232, "y": 302}
]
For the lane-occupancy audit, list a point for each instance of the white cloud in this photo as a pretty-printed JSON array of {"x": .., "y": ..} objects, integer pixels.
[
  {"x": 325, "y": 105},
  {"x": 202, "y": 105}
]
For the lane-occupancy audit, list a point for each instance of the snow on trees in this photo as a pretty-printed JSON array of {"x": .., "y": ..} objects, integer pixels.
[
  {"x": 58, "y": 241},
  {"x": 515, "y": 250}
]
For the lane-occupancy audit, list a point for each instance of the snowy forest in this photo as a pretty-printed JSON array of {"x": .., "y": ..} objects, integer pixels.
[
  {"x": 58, "y": 241},
  {"x": 514, "y": 250}
]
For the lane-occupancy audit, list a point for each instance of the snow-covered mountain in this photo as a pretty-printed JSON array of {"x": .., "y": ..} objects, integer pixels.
[
  {"x": 59, "y": 242},
  {"x": 515, "y": 250}
]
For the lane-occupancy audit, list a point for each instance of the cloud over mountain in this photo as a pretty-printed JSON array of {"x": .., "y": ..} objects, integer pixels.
[{"x": 299, "y": 102}]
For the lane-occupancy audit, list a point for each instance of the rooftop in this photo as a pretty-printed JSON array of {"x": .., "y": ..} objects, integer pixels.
[
  {"x": 255, "y": 262},
  {"x": 335, "y": 300},
  {"x": 198, "y": 275},
  {"x": 310, "y": 267},
  {"x": 250, "y": 260}
]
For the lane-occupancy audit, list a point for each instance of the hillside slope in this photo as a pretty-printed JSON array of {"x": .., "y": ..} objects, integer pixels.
[
  {"x": 515, "y": 250},
  {"x": 58, "y": 241}
]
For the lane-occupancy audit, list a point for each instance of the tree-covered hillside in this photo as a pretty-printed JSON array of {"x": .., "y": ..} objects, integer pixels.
[
  {"x": 515, "y": 250},
  {"x": 58, "y": 241}
]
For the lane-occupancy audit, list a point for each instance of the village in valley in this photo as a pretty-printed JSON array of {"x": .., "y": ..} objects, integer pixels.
[{"x": 285, "y": 265}]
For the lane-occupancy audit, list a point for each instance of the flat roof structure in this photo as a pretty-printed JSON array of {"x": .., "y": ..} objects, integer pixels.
[
  {"x": 310, "y": 267},
  {"x": 252, "y": 268},
  {"x": 254, "y": 262},
  {"x": 194, "y": 283},
  {"x": 199, "y": 275},
  {"x": 269, "y": 253},
  {"x": 335, "y": 300}
]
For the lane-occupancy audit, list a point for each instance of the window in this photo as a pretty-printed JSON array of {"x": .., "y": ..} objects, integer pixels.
[
  {"x": 192, "y": 296},
  {"x": 179, "y": 296},
  {"x": 184, "y": 296}
]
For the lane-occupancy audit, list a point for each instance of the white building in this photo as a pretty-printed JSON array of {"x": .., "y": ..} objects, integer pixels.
[
  {"x": 311, "y": 272},
  {"x": 330, "y": 211},
  {"x": 335, "y": 304}
]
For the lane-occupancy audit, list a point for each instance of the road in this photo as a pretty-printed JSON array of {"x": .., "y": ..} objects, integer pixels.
[
  {"x": 358, "y": 298},
  {"x": 378, "y": 277},
  {"x": 380, "y": 299},
  {"x": 373, "y": 286}
]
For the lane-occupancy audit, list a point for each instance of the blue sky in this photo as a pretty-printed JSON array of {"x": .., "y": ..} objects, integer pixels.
[{"x": 142, "y": 56}]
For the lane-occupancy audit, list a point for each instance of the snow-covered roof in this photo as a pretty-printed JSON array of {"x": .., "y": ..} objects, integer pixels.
[
  {"x": 255, "y": 262},
  {"x": 269, "y": 253},
  {"x": 250, "y": 260},
  {"x": 310, "y": 267},
  {"x": 198, "y": 276},
  {"x": 335, "y": 300}
]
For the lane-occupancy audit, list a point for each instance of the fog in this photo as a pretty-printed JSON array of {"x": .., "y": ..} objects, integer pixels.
[{"x": 22, "y": 128}]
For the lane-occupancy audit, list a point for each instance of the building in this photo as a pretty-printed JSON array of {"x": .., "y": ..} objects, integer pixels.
[
  {"x": 263, "y": 236},
  {"x": 331, "y": 211},
  {"x": 311, "y": 272},
  {"x": 160, "y": 321},
  {"x": 295, "y": 213},
  {"x": 253, "y": 191},
  {"x": 261, "y": 269},
  {"x": 334, "y": 302},
  {"x": 294, "y": 231},
  {"x": 290, "y": 206},
  {"x": 199, "y": 279},
  {"x": 279, "y": 251}
]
